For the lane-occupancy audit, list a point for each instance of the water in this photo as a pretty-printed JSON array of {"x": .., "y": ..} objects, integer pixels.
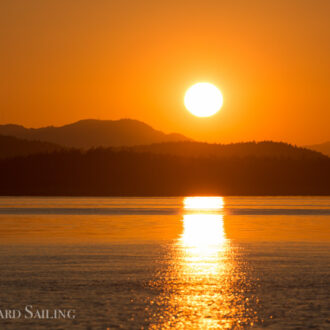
[{"x": 167, "y": 263}]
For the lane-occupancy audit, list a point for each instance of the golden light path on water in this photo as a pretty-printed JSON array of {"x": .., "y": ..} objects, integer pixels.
[
  {"x": 203, "y": 286},
  {"x": 202, "y": 240}
]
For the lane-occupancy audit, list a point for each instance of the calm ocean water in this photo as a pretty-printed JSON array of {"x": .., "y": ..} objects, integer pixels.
[{"x": 167, "y": 263}]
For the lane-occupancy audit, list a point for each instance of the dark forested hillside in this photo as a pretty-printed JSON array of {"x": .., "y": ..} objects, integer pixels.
[
  {"x": 265, "y": 149},
  {"x": 127, "y": 173},
  {"x": 12, "y": 147}
]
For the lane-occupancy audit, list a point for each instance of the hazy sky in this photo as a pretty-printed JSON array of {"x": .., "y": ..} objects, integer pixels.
[{"x": 66, "y": 60}]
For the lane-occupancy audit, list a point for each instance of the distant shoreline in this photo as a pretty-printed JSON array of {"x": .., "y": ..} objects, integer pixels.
[
  {"x": 161, "y": 196},
  {"x": 288, "y": 171}
]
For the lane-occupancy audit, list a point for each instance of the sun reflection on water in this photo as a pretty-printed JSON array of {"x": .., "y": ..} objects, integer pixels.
[
  {"x": 203, "y": 203},
  {"x": 203, "y": 237},
  {"x": 201, "y": 242},
  {"x": 204, "y": 286}
]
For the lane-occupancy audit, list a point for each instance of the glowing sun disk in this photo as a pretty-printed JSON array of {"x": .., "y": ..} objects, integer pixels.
[{"x": 203, "y": 99}]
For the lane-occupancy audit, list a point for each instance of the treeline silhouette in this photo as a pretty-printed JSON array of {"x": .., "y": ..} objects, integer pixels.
[
  {"x": 110, "y": 172},
  {"x": 243, "y": 149}
]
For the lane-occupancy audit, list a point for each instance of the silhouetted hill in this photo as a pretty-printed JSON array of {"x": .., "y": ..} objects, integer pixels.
[
  {"x": 265, "y": 149},
  {"x": 322, "y": 147},
  {"x": 94, "y": 133},
  {"x": 11, "y": 147},
  {"x": 113, "y": 172}
]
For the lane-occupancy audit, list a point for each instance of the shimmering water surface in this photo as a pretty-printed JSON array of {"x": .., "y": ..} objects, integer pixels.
[{"x": 167, "y": 263}]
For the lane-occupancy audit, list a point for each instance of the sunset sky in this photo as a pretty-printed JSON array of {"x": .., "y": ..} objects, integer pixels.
[{"x": 66, "y": 60}]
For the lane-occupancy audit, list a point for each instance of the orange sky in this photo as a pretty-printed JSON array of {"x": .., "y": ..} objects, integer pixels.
[{"x": 66, "y": 60}]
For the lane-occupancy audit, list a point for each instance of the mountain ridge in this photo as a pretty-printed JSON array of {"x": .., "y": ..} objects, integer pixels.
[
  {"x": 324, "y": 148},
  {"x": 130, "y": 133},
  {"x": 88, "y": 133}
]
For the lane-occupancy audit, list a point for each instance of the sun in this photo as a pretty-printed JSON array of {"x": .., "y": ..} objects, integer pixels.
[{"x": 203, "y": 99}]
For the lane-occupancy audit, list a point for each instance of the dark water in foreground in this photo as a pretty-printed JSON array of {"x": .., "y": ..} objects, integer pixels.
[{"x": 167, "y": 263}]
